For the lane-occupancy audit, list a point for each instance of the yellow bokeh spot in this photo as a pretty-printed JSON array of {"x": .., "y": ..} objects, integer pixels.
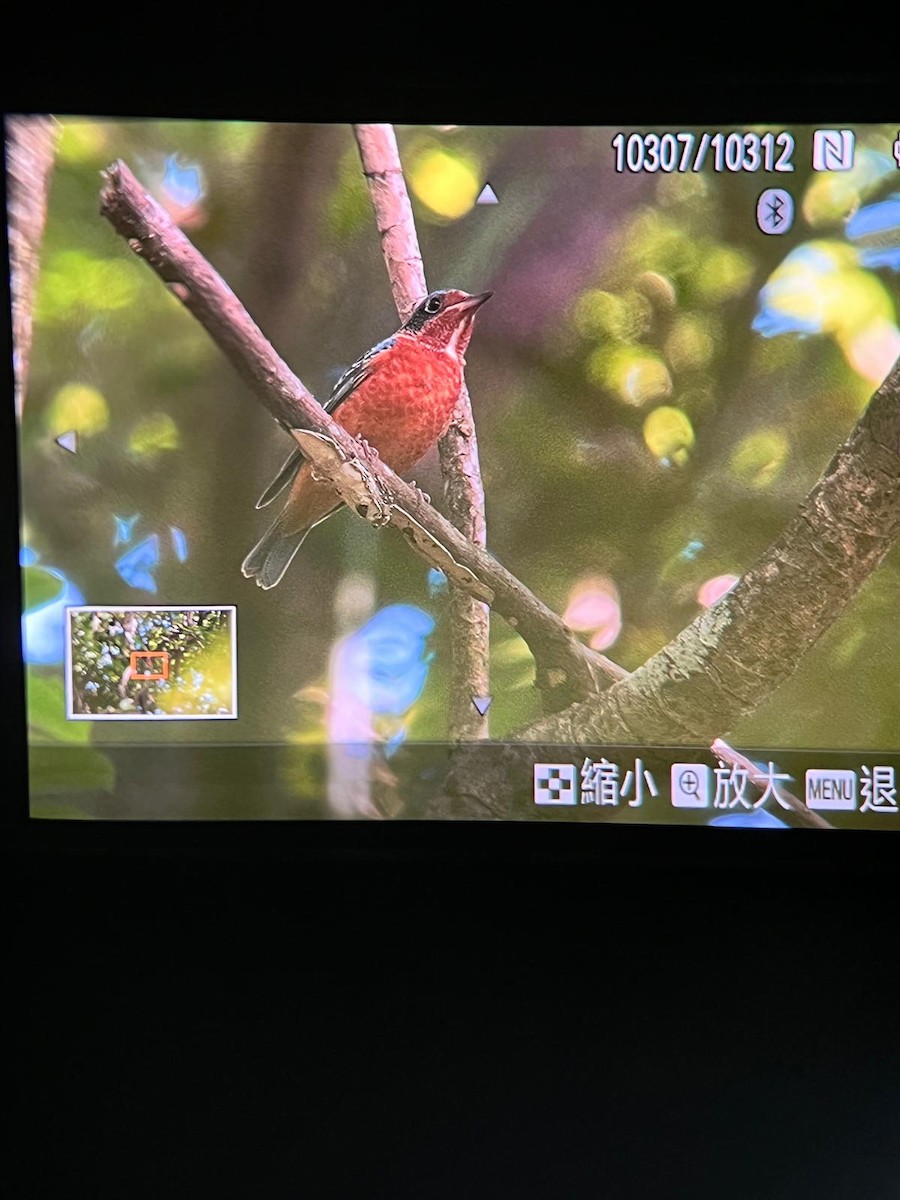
[
  {"x": 822, "y": 286},
  {"x": 82, "y": 141},
  {"x": 635, "y": 374},
  {"x": 724, "y": 273},
  {"x": 679, "y": 188},
  {"x": 658, "y": 289},
  {"x": 75, "y": 282},
  {"x": 833, "y": 195},
  {"x": 79, "y": 407},
  {"x": 605, "y": 314},
  {"x": 690, "y": 345},
  {"x": 153, "y": 435},
  {"x": 669, "y": 434},
  {"x": 447, "y": 183},
  {"x": 760, "y": 457},
  {"x": 656, "y": 243},
  {"x": 598, "y": 312},
  {"x": 215, "y": 675}
]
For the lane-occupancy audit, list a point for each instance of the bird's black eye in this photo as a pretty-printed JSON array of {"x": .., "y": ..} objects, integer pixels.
[{"x": 433, "y": 305}]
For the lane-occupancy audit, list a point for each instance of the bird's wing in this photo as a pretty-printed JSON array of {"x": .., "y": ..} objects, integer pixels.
[
  {"x": 345, "y": 386},
  {"x": 353, "y": 376},
  {"x": 282, "y": 479}
]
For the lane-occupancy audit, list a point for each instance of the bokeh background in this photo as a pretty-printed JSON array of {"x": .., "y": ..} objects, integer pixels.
[{"x": 656, "y": 385}]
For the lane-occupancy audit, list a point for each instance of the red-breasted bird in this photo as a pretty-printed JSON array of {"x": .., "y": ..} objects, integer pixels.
[{"x": 399, "y": 397}]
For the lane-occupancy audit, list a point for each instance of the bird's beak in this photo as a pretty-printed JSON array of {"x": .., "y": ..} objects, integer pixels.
[{"x": 471, "y": 303}]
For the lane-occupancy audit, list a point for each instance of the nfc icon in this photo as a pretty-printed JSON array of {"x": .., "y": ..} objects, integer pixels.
[{"x": 833, "y": 149}]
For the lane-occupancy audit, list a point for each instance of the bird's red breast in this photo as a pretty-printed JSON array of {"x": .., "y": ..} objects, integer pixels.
[{"x": 402, "y": 408}]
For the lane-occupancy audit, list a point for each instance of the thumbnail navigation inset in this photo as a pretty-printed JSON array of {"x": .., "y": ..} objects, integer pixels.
[{"x": 151, "y": 663}]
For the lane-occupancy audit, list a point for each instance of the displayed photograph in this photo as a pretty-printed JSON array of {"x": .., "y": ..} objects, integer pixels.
[{"x": 547, "y": 466}]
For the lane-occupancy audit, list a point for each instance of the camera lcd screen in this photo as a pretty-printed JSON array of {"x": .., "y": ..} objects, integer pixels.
[{"x": 410, "y": 472}]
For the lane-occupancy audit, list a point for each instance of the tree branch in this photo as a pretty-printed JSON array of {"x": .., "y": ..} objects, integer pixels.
[
  {"x": 31, "y": 142},
  {"x": 461, "y": 470},
  {"x": 566, "y": 670}
]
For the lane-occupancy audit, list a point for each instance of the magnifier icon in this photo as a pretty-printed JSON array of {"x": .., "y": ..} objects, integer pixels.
[{"x": 689, "y": 783}]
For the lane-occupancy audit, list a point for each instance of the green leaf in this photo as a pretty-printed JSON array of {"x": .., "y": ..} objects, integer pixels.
[
  {"x": 54, "y": 770},
  {"x": 39, "y": 587},
  {"x": 47, "y": 710}
]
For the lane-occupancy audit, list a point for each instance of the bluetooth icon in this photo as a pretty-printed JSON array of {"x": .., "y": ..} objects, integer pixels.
[{"x": 775, "y": 211}]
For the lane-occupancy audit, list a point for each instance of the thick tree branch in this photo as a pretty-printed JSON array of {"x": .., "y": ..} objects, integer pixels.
[
  {"x": 30, "y": 146},
  {"x": 463, "y": 489},
  {"x": 734, "y": 655},
  {"x": 566, "y": 670}
]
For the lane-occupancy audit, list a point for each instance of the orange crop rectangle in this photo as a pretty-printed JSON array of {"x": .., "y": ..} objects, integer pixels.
[{"x": 163, "y": 655}]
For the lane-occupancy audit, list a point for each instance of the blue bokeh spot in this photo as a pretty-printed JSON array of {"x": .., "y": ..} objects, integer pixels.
[
  {"x": 123, "y": 528},
  {"x": 877, "y": 226},
  {"x": 136, "y": 565},
  {"x": 385, "y": 663},
  {"x": 44, "y": 627},
  {"x": 184, "y": 184},
  {"x": 437, "y": 582},
  {"x": 759, "y": 819},
  {"x": 179, "y": 544}
]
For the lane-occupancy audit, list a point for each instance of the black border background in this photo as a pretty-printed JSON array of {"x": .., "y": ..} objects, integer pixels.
[{"x": 356, "y": 1009}]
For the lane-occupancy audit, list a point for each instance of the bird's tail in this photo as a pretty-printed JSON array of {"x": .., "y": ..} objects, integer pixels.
[{"x": 272, "y": 554}]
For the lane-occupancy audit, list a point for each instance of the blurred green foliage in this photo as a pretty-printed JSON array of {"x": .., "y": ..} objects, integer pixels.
[
  {"x": 633, "y": 424},
  {"x": 60, "y": 758}
]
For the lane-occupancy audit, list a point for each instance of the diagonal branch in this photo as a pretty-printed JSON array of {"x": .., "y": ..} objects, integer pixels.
[
  {"x": 566, "y": 670},
  {"x": 464, "y": 493}
]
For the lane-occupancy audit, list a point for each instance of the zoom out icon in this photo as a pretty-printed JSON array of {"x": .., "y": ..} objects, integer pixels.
[{"x": 775, "y": 211}]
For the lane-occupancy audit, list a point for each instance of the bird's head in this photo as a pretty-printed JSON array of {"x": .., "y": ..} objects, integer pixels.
[{"x": 444, "y": 319}]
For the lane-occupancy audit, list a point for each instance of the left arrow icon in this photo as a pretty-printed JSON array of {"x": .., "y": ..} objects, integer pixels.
[{"x": 68, "y": 441}]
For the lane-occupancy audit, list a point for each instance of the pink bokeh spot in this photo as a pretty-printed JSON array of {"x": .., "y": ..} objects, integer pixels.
[
  {"x": 594, "y": 608},
  {"x": 874, "y": 350},
  {"x": 714, "y": 589}
]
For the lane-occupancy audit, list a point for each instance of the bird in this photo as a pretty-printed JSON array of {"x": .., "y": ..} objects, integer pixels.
[{"x": 399, "y": 397}]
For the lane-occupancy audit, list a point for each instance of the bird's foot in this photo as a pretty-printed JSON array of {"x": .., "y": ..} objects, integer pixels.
[{"x": 369, "y": 450}]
